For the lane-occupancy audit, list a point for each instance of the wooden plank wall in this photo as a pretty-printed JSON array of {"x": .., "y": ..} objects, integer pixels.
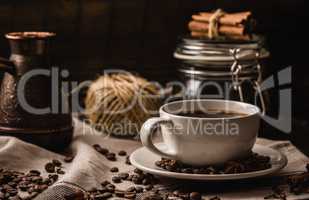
[{"x": 137, "y": 35}]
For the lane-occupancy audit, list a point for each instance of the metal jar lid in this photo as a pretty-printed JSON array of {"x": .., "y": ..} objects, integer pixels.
[{"x": 218, "y": 52}]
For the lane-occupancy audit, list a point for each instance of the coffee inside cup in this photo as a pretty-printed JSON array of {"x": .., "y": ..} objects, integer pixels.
[
  {"x": 210, "y": 109},
  {"x": 211, "y": 113}
]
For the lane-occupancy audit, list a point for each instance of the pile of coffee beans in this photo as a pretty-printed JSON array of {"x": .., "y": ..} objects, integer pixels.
[
  {"x": 185, "y": 195},
  {"x": 254, "y": 162},
  {"x": 109, "y": 189},
  {"x": 175, "y": 195},
  {"x": 296, "y": 184},
  {"x": 142, "y": 181},
  {"x": 16, "y": 185},
  {"x": 55, "y": 166},
  {"x": 105, "y": 152},
  {"x": 143, "y": 184}
]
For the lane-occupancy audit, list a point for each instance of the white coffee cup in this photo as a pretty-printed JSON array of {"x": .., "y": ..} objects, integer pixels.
[{"x": 203, "y": 141}]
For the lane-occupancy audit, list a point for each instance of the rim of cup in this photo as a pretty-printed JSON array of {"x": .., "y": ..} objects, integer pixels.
[{"x": 254, "y": 110}]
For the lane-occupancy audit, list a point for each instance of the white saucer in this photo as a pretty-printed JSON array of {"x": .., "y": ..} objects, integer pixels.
[{"x": 145, "y": 160}]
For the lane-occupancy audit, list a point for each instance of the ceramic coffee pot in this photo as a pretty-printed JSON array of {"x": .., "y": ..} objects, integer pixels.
[{"x": 28, "y": 92}]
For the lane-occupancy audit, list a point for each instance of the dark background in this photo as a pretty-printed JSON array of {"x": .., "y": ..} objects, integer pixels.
[{"x": 140, "y": 36}]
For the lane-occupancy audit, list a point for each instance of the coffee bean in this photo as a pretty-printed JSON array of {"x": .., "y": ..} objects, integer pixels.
[
  {"x": 123, "y": 176},
  {"x": 122, "y": 153},
  {"x": 68, "y": 159},
  {"x": 12, "y": 192},
  {"x": 138, "y": 171},
  {"x": 137, "y": 181},
  {"x": 97, "y": 147},
  {"x": 57, "y": 163},
  {"x": 195, "y": 196},
  {"x": 114, "y": 169},
  {"x": 53, "y": 177},
  {"x": 116, "y": 179},
  {"x": 23, "y": 186},
  {"x": 110, "y": 187},
  {"x": 35, "y": 172},
  {"x": 111, "y": 156},
  {"x": 128, "y": 162},
  {"x": 119, "y": 193},
  {"x": 60, "y": 171},
  {"x": 12, "y": 184},
  {"x": 134, "y": 176},
  {"x": 50, "y": 168},
  {"x": 104, "y": 151},
  {"x": 104, "y": 183},
  {"x": 36, "y": 179},
  {"x": 101, "y": 150}
]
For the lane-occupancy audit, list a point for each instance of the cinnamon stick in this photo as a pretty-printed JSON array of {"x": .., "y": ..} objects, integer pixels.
[
  {"x": 197, "y": 26},
  {"x": 233, "y": 19}
]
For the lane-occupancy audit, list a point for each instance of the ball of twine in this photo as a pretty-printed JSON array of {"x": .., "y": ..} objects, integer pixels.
[{"x": 119, "y": 104}]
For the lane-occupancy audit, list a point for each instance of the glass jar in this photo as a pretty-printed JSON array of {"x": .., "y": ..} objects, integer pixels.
[{"x": 226, "y": 69}]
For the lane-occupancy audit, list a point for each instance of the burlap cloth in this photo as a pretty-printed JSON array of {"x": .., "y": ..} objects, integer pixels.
[{"x": 89, "y": 168}]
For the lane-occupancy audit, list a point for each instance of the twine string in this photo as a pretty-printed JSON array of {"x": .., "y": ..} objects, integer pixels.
[{"x": 214, "y": 23}]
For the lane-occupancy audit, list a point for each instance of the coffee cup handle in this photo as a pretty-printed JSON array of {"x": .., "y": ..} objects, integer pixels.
[{"x": 147, "y": 131}]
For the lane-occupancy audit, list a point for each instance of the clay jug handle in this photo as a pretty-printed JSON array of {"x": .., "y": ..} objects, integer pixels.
[{"x": 7, "y": 65}]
